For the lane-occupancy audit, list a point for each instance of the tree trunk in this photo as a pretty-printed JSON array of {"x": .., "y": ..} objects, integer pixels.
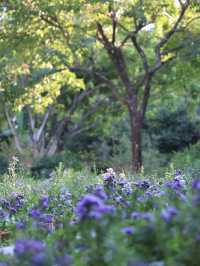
[{"x": 136, "y": 140}]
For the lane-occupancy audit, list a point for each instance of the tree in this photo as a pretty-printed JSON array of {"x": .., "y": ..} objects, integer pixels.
[
  {"x": 36, "y": 54},
  {"x": 138, "y": 37},
  {"x": 129, "y": 23}
]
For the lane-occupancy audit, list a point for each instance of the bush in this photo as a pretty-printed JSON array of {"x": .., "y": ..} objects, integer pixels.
[
  {"x": 173, "y": 130},
  {"x": 188, "y": 159},
  {"x": 3, "y": 164},
  {"x": 44, "y": 166}
]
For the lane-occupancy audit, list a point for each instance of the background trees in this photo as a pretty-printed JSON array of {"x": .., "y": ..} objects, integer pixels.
[{"x": 65, "y": 63}]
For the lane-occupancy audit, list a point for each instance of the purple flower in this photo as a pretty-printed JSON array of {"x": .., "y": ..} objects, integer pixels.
[
  {"x": 109, "y": 176},
  {"x": 35, "y": 213},
  {"x": 92, "y": 206},
  {"x": 44, "y": 201},
  {"x": 198, "y": 237},
  {"x": 196, "y": 199},
  {"x": 142, "y": 215},
  {"x": 99, "y": 192},
  {"x": 178, "y": 172},
  {"x": 128, "y": 230},
  {"x": 176, "y": 184},
  {"x": 142, "y": 184},
  {"x": 30, "y": 246},
  {"x": 20, "y": 225},
  {"x": 47, "y": 218},
  {"x": 3, "y": 214},
  {"x": 3, "y": 264},
  {"x": 39, "y": 259},
  {"x": 136, "y": 215},
  {"x": 169, "y": 213},
  {"x": 196, "y": 184}
]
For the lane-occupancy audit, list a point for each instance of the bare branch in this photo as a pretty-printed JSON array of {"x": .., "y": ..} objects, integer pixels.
[
  {"x": 110, "y": 85},
  {"x": 114, "y": 25},
  {"x": 79, "y": 97},
  {"x": 53, "y": 21},
  {"x": 162, "y": 63},
  {"x": 31, "y": 119},
  {"x": 171, "y": 32},
  {"x": 79, "y": 127},
  {"x": 13, "y": 130},
  {"x": 37, "y": 135},
  {"x": 191, "y": 20},
  {"x": 82, "y": 129},
  {"x": 141, "y": 53},
  {"x": 101, "y": 36}
]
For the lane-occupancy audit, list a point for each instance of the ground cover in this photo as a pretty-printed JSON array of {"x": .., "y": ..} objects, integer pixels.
[{"x": 107, "y": 219}]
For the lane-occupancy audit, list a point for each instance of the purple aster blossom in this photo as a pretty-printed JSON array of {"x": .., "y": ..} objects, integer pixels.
[
  {"x": 126, "y": 188},
  {"x": 198, "y": 237},
  {"x": 142, "y": 215},
  {"x": 136, "y": 215},
  {"x": 148, "y": 216},
  {"x": 47, "y": 218},
  {"x": 196, "y": 184},
  {"x": 181, "y": 196},
  {"x": 39, "y": 259},
  {"x": 141, "y": 198},
  {"x": 3, "y": 264},
  {"x": 99, "y": 192},
  {"x": 109, "y": 176},
  {"x": 13, "y": 210},
  {"x": 28, "y": 246},
  {"x": 16, "y": 200},
  {"x": 3, "y": 214},
  {"x": 122, "y": 182},
  {"x": 65, "y": 196},
  {"x": 143, "y": 184},
  {"x": 196, "y": 199},
  {"x": 177, "y": 183},
  {"x": 178, "y": 172},
  {"x": 128, "y": 230},
  {"x": 92, "y": 206},
  {"x": 35, "y": 213},
  {"x": 169, "y": 213},
  {"x": 101, "y": 210},
  {"x": 44, "y": 201},
  {"x": 20, "y": 225}
]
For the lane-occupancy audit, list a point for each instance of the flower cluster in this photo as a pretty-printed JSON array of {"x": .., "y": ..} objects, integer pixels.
[
  {"x": 10, "y": 206},
  {"x": 115, "y": 220},
  {"x": 91, "y": 206}
]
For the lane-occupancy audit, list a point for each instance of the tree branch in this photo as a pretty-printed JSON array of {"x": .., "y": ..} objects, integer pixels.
[
  {"x": 37, "y": 135},
  {"x": 14, "y": 133},
  {"x": 170, "y": 33},
  {"x": 141, "y": 53}
]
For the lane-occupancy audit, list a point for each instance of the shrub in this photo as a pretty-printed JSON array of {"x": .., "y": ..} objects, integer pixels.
[
  {"x": 173, "y": 130},
  {"x": 188, "y": 159}
]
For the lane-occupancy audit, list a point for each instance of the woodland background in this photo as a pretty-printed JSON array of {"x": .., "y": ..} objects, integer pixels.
[{"x": 100, "y": 84}]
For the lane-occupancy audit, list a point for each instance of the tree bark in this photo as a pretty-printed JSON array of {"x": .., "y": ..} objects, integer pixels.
[{"x": 136, "y": 139}]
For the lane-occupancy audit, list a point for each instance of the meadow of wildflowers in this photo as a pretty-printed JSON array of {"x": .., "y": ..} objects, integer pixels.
[{"x": 109, "y": 219}]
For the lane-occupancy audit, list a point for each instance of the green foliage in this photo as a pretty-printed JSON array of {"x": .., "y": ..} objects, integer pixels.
[
  {"x": 188, "y": 159},
  {"x": 173, "y": 130},
  {"x": 50, "y": 53},
  {"x": 3, "y": 163}
]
